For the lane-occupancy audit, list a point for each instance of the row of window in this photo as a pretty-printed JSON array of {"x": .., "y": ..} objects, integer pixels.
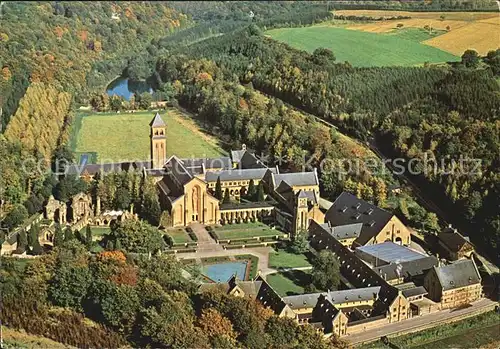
[{"x": 228, "y": 184}]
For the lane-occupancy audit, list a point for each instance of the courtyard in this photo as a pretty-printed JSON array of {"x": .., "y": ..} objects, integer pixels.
[{"x": 245, "y": 231}]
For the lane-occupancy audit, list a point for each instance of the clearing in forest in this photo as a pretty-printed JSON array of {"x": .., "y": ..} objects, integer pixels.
[
  {"x": 361, "y": 48},
  {"x": 125, "y": 136}
]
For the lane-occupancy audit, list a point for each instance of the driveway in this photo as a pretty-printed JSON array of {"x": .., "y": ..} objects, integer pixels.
[{"x": 420, "y": 323}]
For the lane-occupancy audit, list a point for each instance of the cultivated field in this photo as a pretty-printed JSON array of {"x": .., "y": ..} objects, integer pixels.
[
  {"x": 362, "y": 48},
  {"x": 467, "y": 30},
  {"x": 124, "y": 137}
]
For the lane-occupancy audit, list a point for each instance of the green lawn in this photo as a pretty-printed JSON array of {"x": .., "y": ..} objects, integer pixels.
[
  {"x": 179, "y": 236},
  {"x": 100, "y": 230},
  {"x": 289, "y": 283},
  {"x": 362, "y": 48},
  {"x": 245, "y": 230},
  {"x": 283, "y": 259},
  {"x": 124, "y": 137}
]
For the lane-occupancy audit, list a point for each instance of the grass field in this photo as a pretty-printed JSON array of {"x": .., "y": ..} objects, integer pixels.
[
  {"x": 289, "y": 283},
  {"x": 468, "y": 30},
  {"x": 245, "y": 230},
  {"x": 473, "y": 332},
  {"x": 99, "y": 231},
  {"x": 284, "y": 259},
  {"x": 179, "y": 236},
  {"x": 361, "y": 48},
  {"x": 124, "y": 137}
]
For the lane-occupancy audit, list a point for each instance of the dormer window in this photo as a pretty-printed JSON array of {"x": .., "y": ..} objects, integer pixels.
[
  {"x": 357, "y": 206},
  {"x": 357, "y": 216},
  {"x": 344, "y": 209},
  {"x": 370, "y": 211}
]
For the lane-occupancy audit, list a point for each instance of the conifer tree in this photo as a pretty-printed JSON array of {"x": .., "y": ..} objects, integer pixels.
[
  {"x": 88, "y": 236},
  {"x": 260, "y": 192},
  {"x": 251, "y": 190},
  {"x": 58, "y": 236},
  {"x": 227, "y": 199},
  {"x": 33, "y": 235},
  {"x": 68, "y": 234},
  {"x": 22, "y": 240},
  {"x": 218, "y": 189}
]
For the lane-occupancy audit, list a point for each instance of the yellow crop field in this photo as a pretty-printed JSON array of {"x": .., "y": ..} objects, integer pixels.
[
  {"x": 466, "y": 30},
  {"x": 481, "y": 37},
  {"x": 388, "y": 26},
  {"x": 456, "y": 16}
]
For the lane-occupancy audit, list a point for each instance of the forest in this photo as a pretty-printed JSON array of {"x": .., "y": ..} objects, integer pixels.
[
  {"x": 110, "y": 299},
  {"x": 453, "y": 109}
]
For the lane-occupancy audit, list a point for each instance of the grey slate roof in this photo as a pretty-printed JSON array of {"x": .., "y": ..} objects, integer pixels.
[
  {"x": 157, "y": 121},
  {"x": 249, "y": 160},
  {"x": 335, "y": 297},
  {"x": 454, "y": 241},
  {"x": 355, "y": 294},
  {"x": 310, "y": 195},
  {"x": 296, "y": 179},
  {"x": 236, "y": 174},
  {"x": 416, "y": 291},
  {"x": 302, "y": 300},
  {"x": 237, "y": 154},
  {"x": 408, "y": 269},
  {"x": 93, "y": 169},
  {"x": 178, "y": 171},
  {"x": 223, "y": 162},
  {"x": 251, "y": 288},
  {"x": 341, "y": 232},
  {"x": 459, "y": 274},
  {"x": 348, "y": 209}
]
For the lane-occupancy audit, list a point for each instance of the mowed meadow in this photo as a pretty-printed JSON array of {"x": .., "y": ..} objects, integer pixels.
[
  {"x": 361, "y": 48},
  {"x": 461, "y": 30},
  {"x": 123, "y": 137}
]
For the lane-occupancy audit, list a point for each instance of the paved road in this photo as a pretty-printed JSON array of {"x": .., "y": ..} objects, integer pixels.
[{"x": 420, "y": 323}]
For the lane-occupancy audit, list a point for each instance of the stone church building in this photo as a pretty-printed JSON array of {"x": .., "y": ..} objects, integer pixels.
[{"x": 187, "y": 186}]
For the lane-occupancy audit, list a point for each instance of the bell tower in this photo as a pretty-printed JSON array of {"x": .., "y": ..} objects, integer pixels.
[{"x": 158, "y": 142}]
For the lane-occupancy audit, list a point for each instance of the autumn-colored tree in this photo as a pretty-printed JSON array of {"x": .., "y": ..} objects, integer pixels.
[{"x": 213, "y": 324}]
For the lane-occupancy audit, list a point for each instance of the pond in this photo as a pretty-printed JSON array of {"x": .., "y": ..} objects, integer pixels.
[
  {"x": 221, "y": 272},
  {"x": 126, "y": 88}
]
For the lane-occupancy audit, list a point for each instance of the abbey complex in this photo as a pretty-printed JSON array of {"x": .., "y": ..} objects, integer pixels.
[
  {"x": 386, "y": 279},
  {"x": 249, "y": 174},
  {"x": 187, "y": 187}
]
